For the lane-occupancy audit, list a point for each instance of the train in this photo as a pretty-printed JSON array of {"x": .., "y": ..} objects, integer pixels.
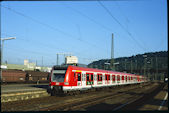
[
  {"x": 20, "y": 76},
  {"x": 66, "y": 79}
]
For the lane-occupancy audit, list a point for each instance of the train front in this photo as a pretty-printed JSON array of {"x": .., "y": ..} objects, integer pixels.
[{"x": 58, "y": 79}]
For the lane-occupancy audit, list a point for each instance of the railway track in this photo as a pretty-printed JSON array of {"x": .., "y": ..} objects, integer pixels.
[
  {"x": 75, "y": 102},
  {"x": 88, "y": 101},
  {"x": 140, "y": 100}
]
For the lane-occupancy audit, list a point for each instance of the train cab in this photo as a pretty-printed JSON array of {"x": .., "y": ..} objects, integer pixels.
[{"x": 57, "y": 79}]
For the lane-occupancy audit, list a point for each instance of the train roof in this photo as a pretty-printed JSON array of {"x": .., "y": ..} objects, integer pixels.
[
  {"x": 60, "y": 67},
  {"x": 90, "y": 69}
]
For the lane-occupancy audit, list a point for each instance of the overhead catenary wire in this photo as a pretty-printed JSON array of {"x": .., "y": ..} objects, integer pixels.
[
  {"x": 128, "y": 21},
  {"x": 91, "y": 19},
  {"x": 51, "y": 27},
  {"x": 130, "y": 35},
  {"x": 123, "y": 14},
  {"x": 59, "y": 30}
]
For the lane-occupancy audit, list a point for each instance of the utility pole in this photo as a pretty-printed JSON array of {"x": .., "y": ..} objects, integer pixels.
[
  {"x": 131, "y": 66},
  {"x": 57, "y": 61},
  {"x": 145, "y": 57},
  {"x": 3, "y": 39},
  {"x": 125, "y": 65},
  {"x": 42, "y": 62},
  {"x": 112, "y": 54},
  {"x": 151, "y": 71},
  {"x": 57, "y": 54},
  {"x": 156, "y": 67},
  {"x": 136, "y": 66},
  {"x": 116, "y": 63}
]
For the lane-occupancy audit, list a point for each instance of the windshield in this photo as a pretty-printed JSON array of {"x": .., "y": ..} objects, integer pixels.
[{"x": 58, "y": 75}]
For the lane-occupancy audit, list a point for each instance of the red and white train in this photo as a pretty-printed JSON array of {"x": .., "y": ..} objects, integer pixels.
[{"x": 72, "y": 78}]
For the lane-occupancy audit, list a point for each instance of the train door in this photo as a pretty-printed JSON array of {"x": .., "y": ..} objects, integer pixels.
[
  {"x": 73, "y": 81},
  {"x": 111, "y": 80},
  {"x": 78, "y": 78},
  {"x": 95, "y": 78},
  {"x": 89, "y": 79},
  {"x": 118, "y": 79},
  {"x": 103, "y": 79},
  {"x": 83, "y": 79},
  {"x": 134, "y": 79},
  {"x": 126, "y": 78}
]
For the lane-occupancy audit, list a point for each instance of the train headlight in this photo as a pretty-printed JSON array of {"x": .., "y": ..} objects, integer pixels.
[
  {"x": 66, "y": 83},
  {"x": 51, "y": 87}
]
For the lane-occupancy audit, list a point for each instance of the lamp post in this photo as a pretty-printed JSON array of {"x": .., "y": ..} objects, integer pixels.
[
  {"x": 107, "y": 63},
  {"x": 3, "y": 39},
  {"x": 145, "y": 59},
  {"x": 116, "y": 63}
]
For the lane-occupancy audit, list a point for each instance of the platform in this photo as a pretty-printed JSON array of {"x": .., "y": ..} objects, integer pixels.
[{"x": 14, "y": 92}]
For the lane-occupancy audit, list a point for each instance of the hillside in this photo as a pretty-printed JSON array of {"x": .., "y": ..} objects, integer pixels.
[{"x": 153, "y": 64}]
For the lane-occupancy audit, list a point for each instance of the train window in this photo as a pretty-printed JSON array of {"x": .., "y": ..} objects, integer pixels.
[
  {"x": 98, "y": 77},
  {"x": 58, "y": 75},
  {"x": 113, "y": 78},
  {"x": 101, "y": 77},
  {"x": 87, "y": 77},
  {"x": 79, "y": 77},
  {"x": 122, "y": 77},
  {"x": 89, "y": 80},
  {"x": 91, "y": 77},
  {"x": 107, "y": 77},
  {"x": 118, "y": 77}
]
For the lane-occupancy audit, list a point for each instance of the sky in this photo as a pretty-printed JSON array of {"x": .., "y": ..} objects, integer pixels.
[{"x": 82, "y": 28}]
